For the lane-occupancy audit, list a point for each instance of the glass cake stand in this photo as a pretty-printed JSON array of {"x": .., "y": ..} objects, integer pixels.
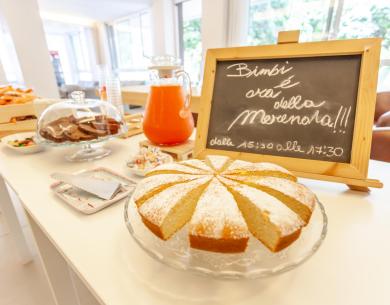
[
  {"x": 82, "y": 123},
  {"x": 256, "y": 262},
  {"x": 86, "y": 150}
]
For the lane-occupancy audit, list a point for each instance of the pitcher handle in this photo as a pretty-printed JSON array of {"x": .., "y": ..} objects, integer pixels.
[{"x": 187, "y": 83}]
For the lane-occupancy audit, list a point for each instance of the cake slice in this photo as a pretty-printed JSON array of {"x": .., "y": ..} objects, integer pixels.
[
  {"x": 169, "y": 210},
  {"x": 175, "y": 168},
  {"x": 217, "y": 162},
  {"x": 267, "y": 218},
  {"x": 217, "y": 224},
  {"x": 155, "y": 184},
  {"x": 296, "y": 196},
  {"x": 240, "y": 167},
  {"x": 197, "y": 164}
]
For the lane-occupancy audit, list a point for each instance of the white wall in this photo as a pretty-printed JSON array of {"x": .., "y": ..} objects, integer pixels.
[
  {"x": 163, "y": 17},
  {"x": 238, "y": 22},
  {"x": 214, "y": 24},
  {"x": 25, "y": 26},
  {"x": 3, "y": 78}
]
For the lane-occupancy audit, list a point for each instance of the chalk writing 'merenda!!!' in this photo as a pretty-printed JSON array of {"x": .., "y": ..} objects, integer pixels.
[{"x": 261, "y": 117}]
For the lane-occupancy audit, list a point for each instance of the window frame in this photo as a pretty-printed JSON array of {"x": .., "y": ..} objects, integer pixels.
[{"x": 113, "y": 40}]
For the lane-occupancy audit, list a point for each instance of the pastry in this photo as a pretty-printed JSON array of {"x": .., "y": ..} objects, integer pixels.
[
  {"x": 217, "y": 224},
  {"x": 91, "y": 130},
  {"x": 72, "y": 129},
  {"x": 240, "y": 167},
  {"x": 155, "y": 184},
  {"x": 168, "y": 211},
  {"x": 218, "y": 163},
  {"x": 296, "y": 196},
  {"x": 176, "y": 168},
  {"x": 268, "y": 219},
  {"x": 224, "y": 201}
]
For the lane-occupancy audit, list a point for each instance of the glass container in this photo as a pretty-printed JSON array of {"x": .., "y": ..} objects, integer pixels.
[
  {"x": 80, "y": 122},
  {"x": 256, "y": 262},
  {"x": 168, "y": 119}
]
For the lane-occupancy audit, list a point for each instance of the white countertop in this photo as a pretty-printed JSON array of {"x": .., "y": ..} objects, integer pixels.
[{"x": 351, "y": 267}]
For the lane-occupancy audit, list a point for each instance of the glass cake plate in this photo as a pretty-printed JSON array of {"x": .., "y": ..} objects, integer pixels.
[
  {"x": 81, "y": 123},
  {"x": 256, "y": 262}
]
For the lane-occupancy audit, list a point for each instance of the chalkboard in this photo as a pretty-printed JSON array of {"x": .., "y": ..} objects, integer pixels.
[{"x": 292, "y": 107}]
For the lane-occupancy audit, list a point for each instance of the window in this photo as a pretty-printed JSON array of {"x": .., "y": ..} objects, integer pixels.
[
  {"x": 321, "y": 20},
  {"x": 8, "y": 57},
  {"x": 268, "y": 17},
  {"x": 358, "y": 19},
  {"x": 74, "y": 51},
  {"x": 58, "y": 45},
  {"x": 132, "y": 38},
  {"x": 190, "y": 40}
]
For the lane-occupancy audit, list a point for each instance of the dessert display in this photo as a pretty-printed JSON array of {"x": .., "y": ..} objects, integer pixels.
[
  {"x": 224, "y": 202},
  {"x": 10, "y": 95},
  {"x": 148, "y": 158},
  {"x": 71, "y": 129},
  {"x": 83, "y": 122}
]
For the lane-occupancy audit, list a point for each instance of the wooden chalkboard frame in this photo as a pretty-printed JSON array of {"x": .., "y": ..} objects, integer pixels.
[{"x": 354, "y": 174}]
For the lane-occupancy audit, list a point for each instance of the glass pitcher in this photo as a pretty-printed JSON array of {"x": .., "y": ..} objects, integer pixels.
[{"x": 168, "y": 119}]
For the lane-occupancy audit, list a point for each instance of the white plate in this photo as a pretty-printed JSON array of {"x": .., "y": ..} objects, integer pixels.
[{"x": 21, "y": 136}]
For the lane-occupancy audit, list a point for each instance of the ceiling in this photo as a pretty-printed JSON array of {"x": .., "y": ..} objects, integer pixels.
[{"x": 102, "y": 10}]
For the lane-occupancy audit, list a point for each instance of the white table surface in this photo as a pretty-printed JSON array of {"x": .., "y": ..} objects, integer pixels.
[{"x": 351, "y": 267}]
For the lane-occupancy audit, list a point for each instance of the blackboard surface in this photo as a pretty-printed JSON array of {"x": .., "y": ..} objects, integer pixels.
[{"x": 297, "y": 107}]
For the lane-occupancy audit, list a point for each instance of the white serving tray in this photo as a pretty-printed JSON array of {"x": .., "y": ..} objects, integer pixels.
[{"x": 87, "y": 203}]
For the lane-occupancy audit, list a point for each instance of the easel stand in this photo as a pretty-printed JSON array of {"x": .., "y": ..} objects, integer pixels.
[
  {"x": 366, "y": 55},
  {"x": 361, "y": 185}
]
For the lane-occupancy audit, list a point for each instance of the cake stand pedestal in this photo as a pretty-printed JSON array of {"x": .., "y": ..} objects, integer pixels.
[{"x": 88, "y": 153}]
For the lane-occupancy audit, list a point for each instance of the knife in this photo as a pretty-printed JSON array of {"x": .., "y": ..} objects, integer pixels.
[{"x": 102, "y": 189}]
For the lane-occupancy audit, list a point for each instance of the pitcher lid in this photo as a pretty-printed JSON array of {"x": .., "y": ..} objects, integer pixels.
[{"x": 165, "y": 65}]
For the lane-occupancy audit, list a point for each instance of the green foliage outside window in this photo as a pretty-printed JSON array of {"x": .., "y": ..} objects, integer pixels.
[
  {"x": 192, "y": 42},
  {"x": 267, "y": 18}
]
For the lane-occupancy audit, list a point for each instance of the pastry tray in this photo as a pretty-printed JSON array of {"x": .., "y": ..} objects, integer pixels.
[
  {"x": 256, "y": 262},
  {"x": 88, "y": 203}
]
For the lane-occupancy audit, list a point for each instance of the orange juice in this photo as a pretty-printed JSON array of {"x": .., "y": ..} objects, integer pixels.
[{"x": 166, "y": 120}]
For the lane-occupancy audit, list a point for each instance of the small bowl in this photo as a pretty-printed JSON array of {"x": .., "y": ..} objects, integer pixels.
[
  {"x": 21, "y": 136},
  {"x": 142, "y": 172}
]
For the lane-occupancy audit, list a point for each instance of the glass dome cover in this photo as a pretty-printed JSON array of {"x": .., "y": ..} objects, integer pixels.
[{"x": 79, "y": 121}]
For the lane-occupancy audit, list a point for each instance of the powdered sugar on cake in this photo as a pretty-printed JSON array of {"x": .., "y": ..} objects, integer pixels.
[
  {"x": 157, "y": 208},
  {"x": 217, "y": 162},
  {"x": 279, "y": 214},
  {"x": 177, "y": 168},
  {"x": 152, "y": 182},
  {"x": 217, "y": 215},
  {"x": 239, "y": 165},
  {"x": 198, "y": 164},
  {"x": 209, "y": 194},
  {"x": 289, "y": 188}
]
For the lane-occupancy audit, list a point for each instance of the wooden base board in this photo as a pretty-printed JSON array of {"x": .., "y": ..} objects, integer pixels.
[
  {"x": 361, "y": 185},
  {"x": 20, "y": 126},
  {"x": 134, "y": 125},
  {"x": 132, "y": 132},
  {"x": 179, "y": 152}
]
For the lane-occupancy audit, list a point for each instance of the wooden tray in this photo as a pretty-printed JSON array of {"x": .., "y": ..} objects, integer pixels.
[
  {"x": 15, "y": 110},
  {"x": 179, "y": 152},
  {"x": 134, "y": 125}
]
